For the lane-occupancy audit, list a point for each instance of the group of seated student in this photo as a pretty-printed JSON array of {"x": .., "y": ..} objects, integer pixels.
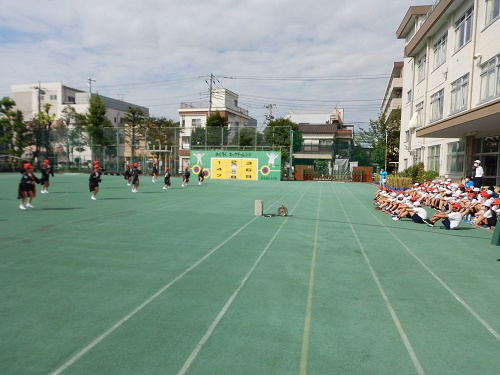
[{"x": 453, "y": 202}]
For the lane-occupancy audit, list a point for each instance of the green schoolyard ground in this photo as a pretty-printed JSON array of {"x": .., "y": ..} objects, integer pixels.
[{"x": 190, "y": 281}]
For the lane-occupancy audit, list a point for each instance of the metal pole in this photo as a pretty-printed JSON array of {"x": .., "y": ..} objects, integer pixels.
[{"x": 385, "y": 160}]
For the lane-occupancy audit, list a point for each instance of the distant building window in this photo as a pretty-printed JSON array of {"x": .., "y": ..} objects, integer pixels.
[
  {"x": 440, "y": 51},
  {"x": 455, "y": 157},
  {"x": 421, "y": 68},
  {"x": 459, "y": 93},
  {"x": 196, "y": 122},
  {"x": 71, "y": 99},
  {"x": 53, "y": 97},
  {"x": 490, "y": 78},
  {"x": 419, "y": 109},
  {"x": 407, "y": 136},
  {"x": 433, "y": 153},
  {"x": 408, "y": 96},
  {"x": 492, "y": 10},
  {"x": 236, "y": 102},
  {"x": 463, "y": 29},
  {"x": 437, "y": 105}
]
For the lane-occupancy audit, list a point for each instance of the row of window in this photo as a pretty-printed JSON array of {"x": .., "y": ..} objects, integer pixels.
[
  {"x": 486, "y": 150},
  {"x": 490, "y": 88},
  {"x": 463, "y": 35}
]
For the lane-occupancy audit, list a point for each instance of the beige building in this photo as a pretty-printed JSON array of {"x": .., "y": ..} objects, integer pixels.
[{"x": 451, "y": 91}]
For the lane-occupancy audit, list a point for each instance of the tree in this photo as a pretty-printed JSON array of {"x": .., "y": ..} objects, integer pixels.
[
  {"x": 44, "y": 119},
  {"x": 96, "y": 123},
  {"x": 279, "y": 132},
  {"x": 213, "y": 135},
  {"x": 383, "y": 135},
  {"x": 71, "y": 132},
  {"x": 247, "y": 137},
  {"x": 133, "y": 119}
]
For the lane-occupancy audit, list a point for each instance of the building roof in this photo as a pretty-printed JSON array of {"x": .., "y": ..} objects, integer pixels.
[{"x": 317, "y": 128}]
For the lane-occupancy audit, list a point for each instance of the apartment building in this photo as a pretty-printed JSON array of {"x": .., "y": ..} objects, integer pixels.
[
  {"x": 31, "y": 97},
  {"x": 195, "y": 114},
  {"x": 451, "y": 87},
  {"x": 324, "y": 137}
]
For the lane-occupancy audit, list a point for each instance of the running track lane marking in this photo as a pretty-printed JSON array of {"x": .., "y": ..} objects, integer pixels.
[
  {"x": 388, "y": 304},
  {"x": 149, "y": 300},
  {"x": 145, "y": 303},
  {"x": 451, "y": 291},
  {"x": 221, "y": 314},
  {"x": 307, "y": 322}
]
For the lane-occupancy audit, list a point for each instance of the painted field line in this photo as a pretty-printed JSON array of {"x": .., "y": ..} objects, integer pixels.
[
  {"x": 148, "y": 301},
  {"x": 307, "y": 322},
  {"x": 221, "y": 314},
  {"x": 388, "y": 304},
  {"x": 427, "y": 268}
]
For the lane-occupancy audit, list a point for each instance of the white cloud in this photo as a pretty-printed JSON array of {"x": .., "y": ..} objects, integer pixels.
[{"x": 153, "y": 51}]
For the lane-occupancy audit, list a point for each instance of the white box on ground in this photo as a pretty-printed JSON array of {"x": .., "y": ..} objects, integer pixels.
[{"x": 259, "y": 208}]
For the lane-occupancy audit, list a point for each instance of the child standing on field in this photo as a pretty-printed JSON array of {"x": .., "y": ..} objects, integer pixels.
[
  {"x": 46, "y": 172},
  {"x": 166, "y": 178},
  {"x": 155, "y": 172},
  {"x": 27, "y": 186},
  {"x": 135, "y": 178},
  {"x": 185, "y": 176}
]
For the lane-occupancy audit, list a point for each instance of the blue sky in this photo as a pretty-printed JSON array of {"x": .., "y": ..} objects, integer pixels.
[{"x": 308, "y": 56}]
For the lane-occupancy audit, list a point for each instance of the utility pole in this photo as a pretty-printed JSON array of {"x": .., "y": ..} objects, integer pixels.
[
  {"x": 210, "y": 92},
  {"x": 90, "y": 80},
  {"x": 37, "y": 134}
]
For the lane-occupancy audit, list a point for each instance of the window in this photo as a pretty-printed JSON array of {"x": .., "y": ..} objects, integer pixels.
[
  {"x": 433, "y": 158},
  {"x": 459, "y": 90},
  {"x": 408, "y": 96},
  {"x": 417, "y": 156},
  {"x": 455, "y": 157},
  {"x": 419, "y": 109},
  {"x": 490, "y": 78},
  {"x": 437, "y": 105},
  {"x": 196, "y": 122},
  {"x": 440, "y": 51},
  {"x": 492, "y": 10},
  {"x": 421, "y": 68},
  {"x": 71, "y": 99},
  {"x": 463, "y": 29},
  {"x": 53, "y": 97},
  {"x": 407, "y": 136}
]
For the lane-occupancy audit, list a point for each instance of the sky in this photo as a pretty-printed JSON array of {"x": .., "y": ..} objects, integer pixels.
[{"x": 308, "y": 56}]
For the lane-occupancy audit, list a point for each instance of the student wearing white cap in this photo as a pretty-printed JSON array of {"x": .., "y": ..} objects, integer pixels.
[
  {"x": 486, "y": 217},
  {"x": 477, "y": 174}
]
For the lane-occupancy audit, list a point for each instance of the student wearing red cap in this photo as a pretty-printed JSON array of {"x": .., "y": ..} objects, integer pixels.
[
  {"x": 135, "y": 177},
  {"x": 95, "y": 178},
  {"x": 27, "y": 187},
  {"x": 155, "y": 173},
  {"x": 185, "y": 176},
  {"x": 450, "y": 220},
  {"x": 166, "y": 178},
  {"x": 46, "y": 172},
  {"x": 128, "y": 174}
]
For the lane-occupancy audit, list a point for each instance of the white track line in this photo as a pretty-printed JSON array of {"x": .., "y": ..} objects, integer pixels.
[
  {"x": 388, "y": 304},
  {"x": 452, "y": 292},
  {"x": 150, "y": 299},
  {"x": 221, "y": 314}
]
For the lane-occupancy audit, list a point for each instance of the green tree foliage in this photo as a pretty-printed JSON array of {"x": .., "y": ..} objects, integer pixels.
[
  {"x": 134, "y": 119},
  {"x": 215, "y": 132},
  {"x": 417, "y": 173},
  {"x": 160, "y": 132},
  {"x": 246, "y": 137},
  {"x": 41, "y": 127},
  {"x": 14, "y": 133},
  {"x": 279, "y": 133},
  {"x": 96, "y": 123},
  {"x": 71, "y": 132},
  {"x": 360, "y": 155},
  {"x": 378, "y": 131}
]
